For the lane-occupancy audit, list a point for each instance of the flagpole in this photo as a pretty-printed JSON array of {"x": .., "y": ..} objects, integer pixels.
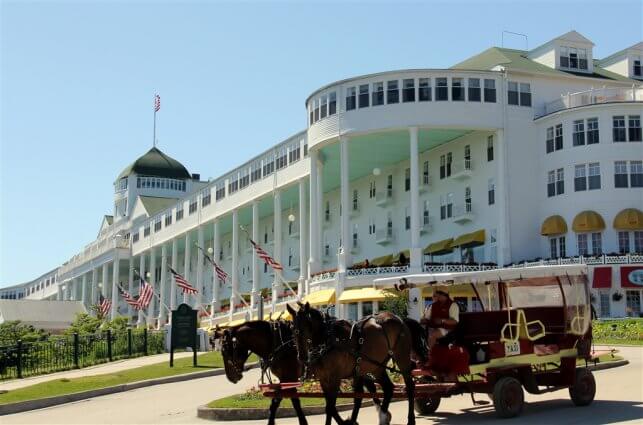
[{"x": 154, "y": 132}]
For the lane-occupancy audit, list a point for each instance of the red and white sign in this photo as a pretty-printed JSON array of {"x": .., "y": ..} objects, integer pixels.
[{"x": 632, "y": 277}]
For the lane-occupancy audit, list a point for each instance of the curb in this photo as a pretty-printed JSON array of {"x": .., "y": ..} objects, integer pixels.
[
  {"x": 608, "y": 365},
  {"x": 23, "y": 406},
  {"x": 225, "y": 414}
]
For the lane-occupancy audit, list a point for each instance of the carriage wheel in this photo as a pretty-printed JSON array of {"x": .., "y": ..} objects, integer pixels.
[
  {"x": 584, "y": 388},
  {"x": 426, "y": 405},
  {"x": 508, "y": 397}
]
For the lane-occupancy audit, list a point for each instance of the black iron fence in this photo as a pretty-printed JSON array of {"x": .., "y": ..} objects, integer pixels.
[{"x": 76, "y": 351}]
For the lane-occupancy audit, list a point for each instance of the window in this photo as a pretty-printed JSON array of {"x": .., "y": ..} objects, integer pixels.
[
  {"x": 371, "y": 226},
  {"x": 324, "y": 107},
  {"x": 350, "y": 98},
  {"x": 549, "y": 141},
  {"x": 371, "y": 190},
  {"x": 634, "y": 128},
  {"x": 168, "y": 220},
  {"x": 637, "y": 68},
  {"x": 490, "y": 91},
  {"x": 551, "y": 184},
  {"x": 255, "y": 172},
  {"x": 491, "y": 191},
  {"x": 467, "y": 156},
  {"x": 425, "y": 213},
  {"x": 407, "y": 179},
  {"x": 206, "y": 197},
  {"x": 363, "y": 96},
  {"x": 638, "y": 241},
  {"x": 560, "y": 181},
  {"x": 450, "y": 204},
  {"x": 573, "y": 58},
  {"x": 580, "y": 178},
  {"x": 442, "y": 166},
  {"x": 618, "y": 128},
  {"x": 269, "y": 164},
  {"x": 620, "y": 174},
  {"x": 578, "y": 136},
  {"x": 467, "y": 199},
  {"x": 425, "y": 173},
  {"x": 581, "y": 240},
  {"x": 623, "y": 242},
  {"x": 179, "y": 212},
  {"x": 449, "y": 161},
  {"x": 135, "y": 237},
  {"x": 316, "y": 103},
  {"x": 597, "y": 243},
  {"x": 281, "y": 157},
  {"x": 558, "y": 139},
  {"x": 474, "y": 90},
  {"x": 294, "y": 152},
  {"x": 441, "y": 89},
  {"x": 192, "y": 207},
  {"x": 525, "y": 94},
  {"x": 332, "y": 103},
  {"x": 553, "y": 247},
  {"x": 407, "y": 219},
  {"x": 146, "y": 231},
  {"x": 311, "y": 120},
  {"x": 604, "y": 306},
  {"x": 633, "y": 303},
  {"x": 562, "y": 249},
  {"x": 408, "y": 95},
  {"x": 355, "y": 200},
  {"x": 512, "y": 93},
  {"x": 392, "y": 92},
  {"x": 636, "y": 173},
  {"x": 564, "y": 57},
  {"x": 244, "y": 179},
  {"x": 233, "y": 184},
  {"x": 594, "y": 175},
  {"x": 157, "y": 224},
  {"x": 378, "y": 94},
  {"x": 424, "y": 92},
  {"x": 592, "y": 131},
  {"x": 220, "y": 191},
  {"x": 457, "y": 89}
]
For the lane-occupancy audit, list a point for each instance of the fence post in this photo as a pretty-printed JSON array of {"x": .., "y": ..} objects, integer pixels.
[
  {"x": 19, "y": 359},
  {"x": 76, "y": 350},
  {"x": 129, "y": 342},
  {"x": 145, "y": 342},
  {"x": 109, "y": 345}
]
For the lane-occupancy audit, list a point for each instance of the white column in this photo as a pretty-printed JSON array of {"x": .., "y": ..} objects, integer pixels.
[
  {"x": 141, "y": 270},
  {"x": 216, "y": 246},
  {"x": 83, "y": 289},
  {"x": 59, "y": 296},
  {"x": 320, "y": 212},
  {"x": 345, "y": 231},
  {"x": 171, "y": 284},
  {"x": 256, "y": 283},
  {"x": 130, "y": 285},
  {"x": 186, "y": 261},
  {"x": 235, "y": 261},
  {"x": 276, "y": 252},
  {"x": 416, "y": 249},
  {"x": 303, "y": 241},
  {"x": 152, "y": 281},
  {"x": 115, "y": 282},
  {"x": 504, "y": 238},
  {"x": 94, "y": 294},
  {"x": 314, "y": 260},
  {"x": 162, "y": 285},
  {"x": 104, "y": 280},
  {"x": 199, "y": 268}
]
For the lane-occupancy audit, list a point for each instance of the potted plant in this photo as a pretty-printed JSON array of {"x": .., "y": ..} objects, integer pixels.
[{"x": 617, "y": 296}]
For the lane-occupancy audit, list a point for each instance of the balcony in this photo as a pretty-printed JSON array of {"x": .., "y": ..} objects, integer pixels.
[
  {"x": 384, "y": 236},
  {"x": 425, "y": 224},
  {"x": 383, "y": 197},
  {"x": 355, "y": 246},
  {"x": 591, "y": 97},
  {"x": 354, "y": 208},
  {"x": 293, "y": 229},
  {"x": 463, "y": 213},
  {"x": 328, "y": 255},
  {"x": 425, "y": 183},
  {"x": 327, "y": 219},
  {"x": 293, "y": 262},
  {"x": 461, "y": 169}
]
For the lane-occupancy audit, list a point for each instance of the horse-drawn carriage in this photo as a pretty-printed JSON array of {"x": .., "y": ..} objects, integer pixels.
[{"x": 531, "y": 330}]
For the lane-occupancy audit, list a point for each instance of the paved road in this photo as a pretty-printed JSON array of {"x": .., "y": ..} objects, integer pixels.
[{"x": 619, "y": 399}]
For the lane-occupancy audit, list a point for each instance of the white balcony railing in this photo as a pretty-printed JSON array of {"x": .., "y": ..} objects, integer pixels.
[
  {"x": 384, "y": 236},
  {"x": 592, "y": 97},
  {"x": 463, "y": 212},
  {"x": 425, "y": 224},
  {"x": 383, "y": 197},
  {"x": 94, "y": 250},
  {"x": 425, "y": 183},
  {"x": 461, "y": 169}
]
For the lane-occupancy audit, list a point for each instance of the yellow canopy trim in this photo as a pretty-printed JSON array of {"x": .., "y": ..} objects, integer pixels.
[
  {"x": 469, "y": 240},
  {"x": 363, "y": 294},
  {"x": 588, "y": 221},
  {"x": 629, "y": 219},
  {"x": 440, "y": 247},
  {"x": 454, "y": 291},
  {"x": 322, "y": 297},
  {"x": 384, "y": 261},
  {"x": 234, "y": 323},
  {"x": 553, "y": 225},
  {"x": 283, "y": 315}
]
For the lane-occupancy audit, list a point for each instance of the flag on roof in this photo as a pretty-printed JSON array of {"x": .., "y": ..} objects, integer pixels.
[{"x": 157, "y": 103}]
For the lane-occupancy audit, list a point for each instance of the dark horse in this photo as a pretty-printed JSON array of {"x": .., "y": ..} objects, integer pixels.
[
  {"x": 273, "y": 342},
  {"x": 335, "y": 349}
]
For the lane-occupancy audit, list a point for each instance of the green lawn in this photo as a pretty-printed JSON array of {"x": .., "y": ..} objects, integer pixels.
[
  {"x": 57, "y": 387},
  {"x": 618, "y": 332},
  {"x": 240, "y": 401}
]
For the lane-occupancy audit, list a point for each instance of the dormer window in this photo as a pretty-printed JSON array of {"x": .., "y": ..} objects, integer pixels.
[
  {"x": 573, "y": 58},
  {"x": 636, "y": 70}
]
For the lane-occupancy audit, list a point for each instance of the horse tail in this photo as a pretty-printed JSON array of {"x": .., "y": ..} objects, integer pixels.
[{"x": 418, "y": 336}]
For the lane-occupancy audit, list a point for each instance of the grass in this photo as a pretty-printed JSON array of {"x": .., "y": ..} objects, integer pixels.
[
  {"x": 239, "y": 401},
  {"x": 65, "y": 386},
  {"x": 618, "y": 332}
]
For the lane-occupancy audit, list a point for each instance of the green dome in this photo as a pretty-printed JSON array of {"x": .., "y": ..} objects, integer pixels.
[{"x": 157, "y": 164}]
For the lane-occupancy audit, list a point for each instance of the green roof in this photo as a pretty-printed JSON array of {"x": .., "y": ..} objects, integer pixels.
[
  {"x": 157, "y": 164},
  {"x": 153, "y": 204},
  {"x": 517, "y": 60}
]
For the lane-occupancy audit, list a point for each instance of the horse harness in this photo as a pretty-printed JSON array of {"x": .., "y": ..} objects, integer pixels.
[{"x": 280, "y": 344}]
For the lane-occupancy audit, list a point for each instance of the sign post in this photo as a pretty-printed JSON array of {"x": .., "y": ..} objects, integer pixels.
[{"x": 183, "y": 335}]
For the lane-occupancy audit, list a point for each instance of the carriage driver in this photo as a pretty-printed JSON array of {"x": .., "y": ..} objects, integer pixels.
[{"x": 441, "y": 316}]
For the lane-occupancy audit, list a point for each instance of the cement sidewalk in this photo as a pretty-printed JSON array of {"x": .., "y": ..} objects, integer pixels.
[{"x": 100, "y": 369}]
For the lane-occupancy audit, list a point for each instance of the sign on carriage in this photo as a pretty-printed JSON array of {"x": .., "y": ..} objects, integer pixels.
[{"x": 183, "y": 335}]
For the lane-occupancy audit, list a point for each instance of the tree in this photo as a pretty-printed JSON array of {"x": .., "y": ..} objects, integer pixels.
[
  {"x": 14, "y": 330},
  {"x": 84, "y": 324},
  {"x": 118, "y": 324},
  {"x": 396, "y": 303}
]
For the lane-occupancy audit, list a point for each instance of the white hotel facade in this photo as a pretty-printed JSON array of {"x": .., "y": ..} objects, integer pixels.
[{"x": 509, "y": 157}]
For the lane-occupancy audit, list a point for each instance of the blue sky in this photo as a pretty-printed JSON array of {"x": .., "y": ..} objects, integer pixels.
[{"x": 77, "y": 81}]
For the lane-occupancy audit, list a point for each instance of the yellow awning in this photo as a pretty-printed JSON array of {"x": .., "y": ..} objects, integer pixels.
[
  {"x": 283, "y": 315},
  {"x": 553, "y": 225},
  {"x": 629, "y": 219},
  {"x": 322, "y": 297},
  {"x": 439, "y": 247},
  {"x": 234, "y": 323},
  {"x": 363, "y": 294},
  {"x": 588, "y": 221},
  {"x": 469, "y": 240},
  {"x": 406, "y": 253},
  {"x": 384, "y": 261}
]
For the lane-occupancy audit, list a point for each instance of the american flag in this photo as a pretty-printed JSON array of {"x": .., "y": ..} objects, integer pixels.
[
  {"x": 221, "y": 274},
  {"x": 145, "y": 294},
  {"x": 104, "y": 305},
  {"x": 157, "y": 103},
  {"x": 183, "y": 283},
  {"x": 129, "y": 299},
  {"x": 265, "y": 257}
]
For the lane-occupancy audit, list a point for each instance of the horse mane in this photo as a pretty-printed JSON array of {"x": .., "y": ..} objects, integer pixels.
[{"x": 418, "y": 337}]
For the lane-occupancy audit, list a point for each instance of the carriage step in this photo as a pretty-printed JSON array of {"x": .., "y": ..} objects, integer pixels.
[{"x": 481, "y": 402}]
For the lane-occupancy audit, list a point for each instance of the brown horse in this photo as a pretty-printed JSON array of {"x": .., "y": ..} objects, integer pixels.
[{"x": 334, "y": 349}]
